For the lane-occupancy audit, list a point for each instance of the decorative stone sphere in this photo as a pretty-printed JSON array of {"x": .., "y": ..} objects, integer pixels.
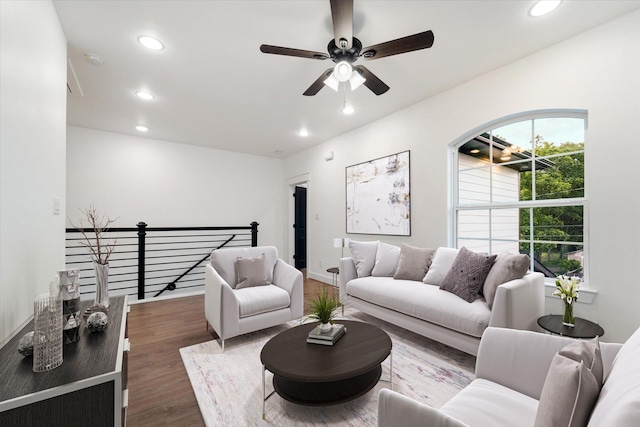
[
  {"x": 97, "y": 322},
  {"x": 25, "y": 345}
]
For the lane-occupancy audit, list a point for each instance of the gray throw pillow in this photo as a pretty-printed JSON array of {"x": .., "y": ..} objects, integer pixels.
[
  {"x": 364, "y": 256},
  {"x": 588, "y": 352},
  {"x": 507, "y": 267},
  {"x": 387, "y": 259},
  {"x": 467, "y": 274},
  {"x": 414, "y": 262},
  {"x": 251, "y": 272},
  {"x": 570, "y": 390}
]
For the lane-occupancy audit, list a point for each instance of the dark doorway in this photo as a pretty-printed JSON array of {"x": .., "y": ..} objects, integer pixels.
[{"x": 300, "y": 227}]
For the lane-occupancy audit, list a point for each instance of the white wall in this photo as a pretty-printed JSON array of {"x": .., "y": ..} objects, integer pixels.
[
  {"x": 33, "y": 53},
  {"x": 170, "y": 184},
  {"x": 598, "y": 71}
]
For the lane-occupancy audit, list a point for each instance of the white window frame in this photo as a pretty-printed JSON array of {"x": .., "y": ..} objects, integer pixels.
[{"x": 454, "y": 207}]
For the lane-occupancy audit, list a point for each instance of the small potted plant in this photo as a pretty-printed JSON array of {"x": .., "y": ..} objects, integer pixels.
[{"x": 323, "y": 309}]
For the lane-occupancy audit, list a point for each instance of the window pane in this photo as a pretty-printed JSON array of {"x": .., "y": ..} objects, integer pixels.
[
  {"x": 559, "y": 224},
  {"x": 563, "y": 177},
  {"x": 475, "y": 245},
  {"x": 473, "y": 184},
  {"x": 505, "y": 231},
  {"x": 473, "y": 224},
  {"x": 553, "y": 260},
  {"x": 558, "y": 131}
]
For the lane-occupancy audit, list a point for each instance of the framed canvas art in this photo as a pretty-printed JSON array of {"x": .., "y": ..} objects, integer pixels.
[{"x": 379, "y": 197}]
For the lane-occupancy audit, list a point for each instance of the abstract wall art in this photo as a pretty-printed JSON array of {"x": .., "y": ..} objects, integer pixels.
[{"x": 379, "y": 197}]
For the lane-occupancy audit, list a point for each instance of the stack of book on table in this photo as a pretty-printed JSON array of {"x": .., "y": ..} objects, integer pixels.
[{"x": 326, "y": 338}]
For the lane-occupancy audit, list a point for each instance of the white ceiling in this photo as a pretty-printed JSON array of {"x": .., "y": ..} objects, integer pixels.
[{"x": 215, "y": 88}]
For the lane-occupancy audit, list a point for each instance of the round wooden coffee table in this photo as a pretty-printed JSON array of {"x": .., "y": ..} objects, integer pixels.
[{"x": 319, "y": 375}]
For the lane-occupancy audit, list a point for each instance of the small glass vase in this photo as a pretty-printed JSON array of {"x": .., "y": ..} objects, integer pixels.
[
  {"x": 102, "y": 283},
  {"x": 568, "y": 319}
]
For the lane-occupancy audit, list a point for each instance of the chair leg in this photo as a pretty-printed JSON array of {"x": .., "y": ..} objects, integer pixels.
[{"x": 222, "y": 344}]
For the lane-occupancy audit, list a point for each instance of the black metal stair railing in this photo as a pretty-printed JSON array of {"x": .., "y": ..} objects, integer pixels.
[{"x": 147, "y": 261}]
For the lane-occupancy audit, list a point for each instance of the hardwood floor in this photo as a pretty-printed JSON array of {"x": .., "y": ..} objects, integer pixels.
[{"x": 160, "y": 393}]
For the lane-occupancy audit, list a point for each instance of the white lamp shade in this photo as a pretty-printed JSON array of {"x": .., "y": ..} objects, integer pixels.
[
  {"x": 332, "y": 82},
  {"x": 356, "y": 80}
]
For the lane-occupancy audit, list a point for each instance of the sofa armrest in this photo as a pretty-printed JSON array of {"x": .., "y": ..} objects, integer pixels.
[
  {"x": 395, "y": 409},
  {"x": 290, "y": 279},
  {"x": 516, "y": 359},
  {"x": 519, "y": 303},
  {"x": 220, "y": 305},
  {"x": 347, "y": 273}
]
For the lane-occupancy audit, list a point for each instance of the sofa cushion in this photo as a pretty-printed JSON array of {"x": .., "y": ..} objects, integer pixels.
[
  {"x": 251, "y": 271},
  {"x": 261, "y": 299},
  {"x": 485, "y": 403},
  {"x": 423, "y": 302},
  {"x": 467, "y": 274},
  {"x": 619, "y": 401},
  {"x": 414, "y": 262},
  {"x": 224, "y": 261},
  {"x": 364, "y": 256},
  {"x": 507, "y": 267},
  {"x": 386, "y": 260},
  {"x": 568, "y": 395},
  {"x": 440, "y": 265}
]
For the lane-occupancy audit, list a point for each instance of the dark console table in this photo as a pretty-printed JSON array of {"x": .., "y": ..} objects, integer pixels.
[
  {"x": 581, "y": 329},
  {"x": 89, "y": 388}
]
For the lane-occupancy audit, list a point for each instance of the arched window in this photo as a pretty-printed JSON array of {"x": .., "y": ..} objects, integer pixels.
[{"x": 518, "y": 186}]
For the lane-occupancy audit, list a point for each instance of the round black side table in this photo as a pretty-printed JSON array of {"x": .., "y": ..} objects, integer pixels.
[
  {"x": 582, "y": 328},
  {"x": 334, "y": 271}
]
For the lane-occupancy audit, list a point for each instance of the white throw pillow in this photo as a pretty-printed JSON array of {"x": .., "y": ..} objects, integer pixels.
[
  {"x": 440, "y": 266},
  {"x": 364, "y": 256},
  {"x": 386, "y": 260}
]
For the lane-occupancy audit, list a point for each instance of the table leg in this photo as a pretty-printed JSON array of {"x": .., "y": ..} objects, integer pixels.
[
  {"x": 391, "y": 370},
  {"x": 264, "y": 392}
]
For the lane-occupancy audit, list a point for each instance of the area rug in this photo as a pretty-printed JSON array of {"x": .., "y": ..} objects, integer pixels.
[{"x": 228, "y": 386}]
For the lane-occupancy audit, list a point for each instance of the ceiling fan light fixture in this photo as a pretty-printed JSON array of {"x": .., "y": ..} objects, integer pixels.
[
  {"x": 342, "y": 71},
  {"x": 543, "y": 7},
  {"x": 356, "y": 80},
  {"x": 332, "y": 82},
  {"x": 348, "y": 109}
]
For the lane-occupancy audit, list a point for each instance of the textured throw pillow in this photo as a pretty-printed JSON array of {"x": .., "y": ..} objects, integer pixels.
[
  {"x": 570, "y": 389},
  {"x": 467, "y": 274},
  {"x": 414, "y": 262},
  {"x": 440, "y": 266},
  {"x": 386, "y": 260},
  {"x": 506, "y": 268},
  {"x": 251, "y": 272},
  {"x": 364, "y": 256}
]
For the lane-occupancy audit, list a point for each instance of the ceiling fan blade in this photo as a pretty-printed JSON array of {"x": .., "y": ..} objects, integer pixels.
[
  {"x": 342, "y": 16},
  {"x": 376, "y": 85},
  {"x": 318, "y": 84},
  {"x": 277, "y": 50},
  {"x": 401, "y": 45}
]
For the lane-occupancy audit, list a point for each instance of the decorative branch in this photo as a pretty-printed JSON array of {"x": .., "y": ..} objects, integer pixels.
[{"x": 100, "y": 248}]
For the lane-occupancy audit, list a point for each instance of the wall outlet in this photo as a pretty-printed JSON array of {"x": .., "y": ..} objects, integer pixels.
[
  {"x": 320, "y": 262},
  {"x": 56, "y": 206}
]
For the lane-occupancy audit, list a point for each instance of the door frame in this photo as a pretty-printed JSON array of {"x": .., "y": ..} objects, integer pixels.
[{"x": 302, "y": 180}]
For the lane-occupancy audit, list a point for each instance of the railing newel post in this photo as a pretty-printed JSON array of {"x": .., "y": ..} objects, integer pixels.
[
  {"x": 142, "y": 226},
  {"x": 254, "y": 234}
]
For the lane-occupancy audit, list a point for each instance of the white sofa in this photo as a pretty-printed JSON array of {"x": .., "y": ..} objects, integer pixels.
[
  {"x": 511, "y": 369},
  {"x": 440, "y": 315},
  {"x": 232, "y": 311}
]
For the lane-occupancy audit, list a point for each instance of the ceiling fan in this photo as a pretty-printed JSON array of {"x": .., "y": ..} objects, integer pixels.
[{"x": 345, "y": 49}]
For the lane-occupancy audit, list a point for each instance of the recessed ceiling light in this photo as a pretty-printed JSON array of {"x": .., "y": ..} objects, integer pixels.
[
  {"x": 543, "y": 7},
  {"x": 150, "y": 42},
  {"x": 144, "y": 95},
  {"x": 142, "y": 128},
  {"x": 92, "y": 58},
  {"x": 474, "y": 151},
  {"x": 303, "y": 132}
]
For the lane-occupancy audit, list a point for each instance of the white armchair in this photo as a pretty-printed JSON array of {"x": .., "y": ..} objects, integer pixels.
[{"x": 232, "y": 312}]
